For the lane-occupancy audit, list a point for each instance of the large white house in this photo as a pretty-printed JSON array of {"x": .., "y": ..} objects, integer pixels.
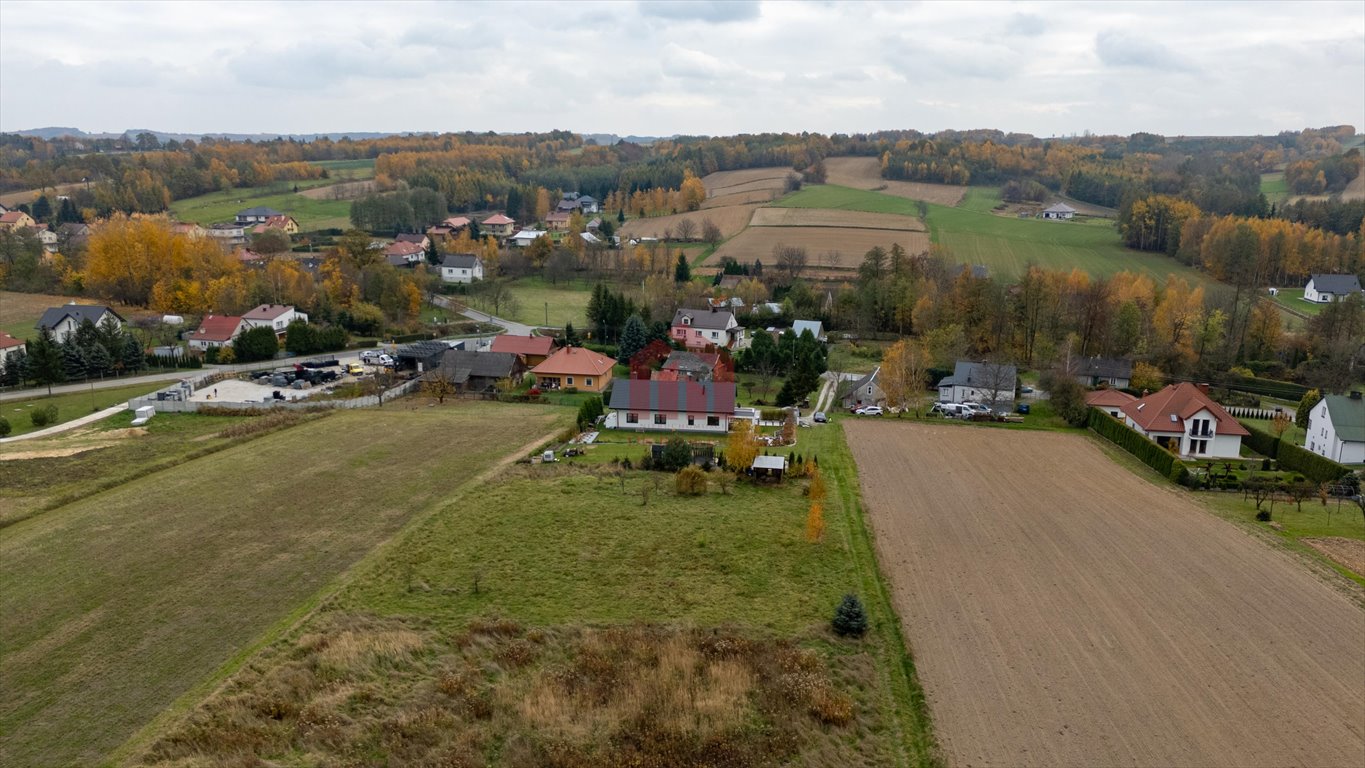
[
  {"x": 461, "y": 268},
  {"x": 1183, "y": 416},
  {"x": 1059, "y": 211},
  {"x": 700, "y": 328},
  {"x": 1336, "y": 429},
  {"x": 1325, "y": 289},
  {"x": 673, "y": 406},
  {"x": 216, "y": 331},
  {"x": 274, "y": 316},
  {"x": 64, "y": 320},
  {"x": 991, "y": 384}
]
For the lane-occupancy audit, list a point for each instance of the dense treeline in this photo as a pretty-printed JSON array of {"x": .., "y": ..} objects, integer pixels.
[{"x": 1323, "y": 175}]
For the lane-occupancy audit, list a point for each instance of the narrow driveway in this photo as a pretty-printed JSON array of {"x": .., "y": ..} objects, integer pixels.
[
  {"x": 64, "y": 426},
  {"x": 518, "y": 329}
]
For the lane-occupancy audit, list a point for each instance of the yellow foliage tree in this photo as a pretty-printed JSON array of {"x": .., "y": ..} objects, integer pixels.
[
  {"x": 742, "y": 448},
  {"x": 693, "y": 191},
  {"x": 816, "y": 491},
  {"x": 1147, "y": 377},
  {"x": 815, "y": 522}
]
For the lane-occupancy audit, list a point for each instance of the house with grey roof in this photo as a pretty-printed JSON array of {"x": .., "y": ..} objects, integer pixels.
[
  {"x": 64, "y": 320},
  {"x": 1325, "y": 289},
  {"x": 1096, "y": 371},
  {"x": 865, "y": 391},
  {"x": 700, "y": 328},
  {"x": 258, "y": 215},
  {"x": 477, "y": 371},
  {"x": 816, "y": 328},
  {"x": 991, "y": 384},
  {"x": 1336, "y": 429},
  {"x": 1059, "y": 211},
  {"x": 461, "y": 268}
]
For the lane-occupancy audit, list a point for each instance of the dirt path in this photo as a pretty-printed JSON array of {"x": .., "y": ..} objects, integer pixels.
[{"x": 1065, "y": 612}]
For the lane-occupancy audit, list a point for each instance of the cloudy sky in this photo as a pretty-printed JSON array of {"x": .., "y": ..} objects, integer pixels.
[{"x": 683, "y": 67}]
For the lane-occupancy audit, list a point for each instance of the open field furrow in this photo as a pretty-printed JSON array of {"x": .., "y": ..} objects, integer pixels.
[
  {"x": 866, "y": 173},
  {"x": 1101, "y": 619},
  {"x": 730, "y": 219},
  {"x": 815, "y": 217},
  {"x": 747, "y": 179},
  {"x": 828, "y": 248}
]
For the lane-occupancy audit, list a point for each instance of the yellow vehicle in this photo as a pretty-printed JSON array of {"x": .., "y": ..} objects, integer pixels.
[{"x": 355, "y": 369}]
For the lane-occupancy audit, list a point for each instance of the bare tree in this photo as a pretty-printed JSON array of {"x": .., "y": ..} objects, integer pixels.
[
  {"x": 997, "y": 382},
  {"x": 791, "y": 259},
  {"x": 686, "y": 230},
  {"x": 440, "y": 383},
  {"x": 710, "y": 232},
  {"x": 831, "y": 259},
  {"x": 497, "y": 298}
]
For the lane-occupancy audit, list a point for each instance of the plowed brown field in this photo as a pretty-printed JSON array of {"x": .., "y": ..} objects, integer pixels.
[
  {"x": 839, "y": 248},
  {"x": 866, "y": 173},
  {"x": 746, "y": 180},
  {"x": 829, "y": 217},
  {"x": 730, "y": 219},
  {"x": 1065, "y": 612}
]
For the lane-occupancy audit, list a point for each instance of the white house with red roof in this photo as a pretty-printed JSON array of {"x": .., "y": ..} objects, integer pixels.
[
  {"x": 216, "y": 331},
  {"x": 1111, "y": 401},
  {"x": 498, "y": 225},
  {"x": 277, "y": 317},
  {"x": 533, "y": 350},
  {"x": 1183, "y": 416},
  {"x": 9, "y": 346}
]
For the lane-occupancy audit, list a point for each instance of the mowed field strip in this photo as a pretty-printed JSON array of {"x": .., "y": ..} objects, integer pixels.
[
  {"x": 835, "y": 248},
  {"x": 731, "y": 220},
  {"x": 1067, "y": 612},
  {"x": 745, "y": 180},
  {"x": 815, "y": 217},
  {"x": 117, "y": 605},
  {"x": 866, "y": 173}
]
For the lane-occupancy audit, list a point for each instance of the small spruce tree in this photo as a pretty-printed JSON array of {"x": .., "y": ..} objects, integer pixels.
[{"x": 850, "y": 620}]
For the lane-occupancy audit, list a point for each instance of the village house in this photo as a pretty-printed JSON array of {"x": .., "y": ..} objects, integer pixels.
[
  {"x": 47, "y": 237},
  {"x": 274, "y": 316},
  {"x": 216, "y": 331},
  {"x": 700, "y": 328},
  {"x": 498, "y": 226},
  {"x": 1325, "y": 289},
  {"x": 12, "y": 220},
  {"x": 478, "y": 371},
  {"x": 816, "y": 328},
  {"x": 416, "y": 238},
  {"x": 1111, "y": 401},
  {"x": 185, "y": 229},
  {"x": 257, "y": 215},
  {"x": 64, "y": 320},
  {"x": 1336, "y": 429},
  {"x": 533, "y": 350},
  {"x": 455, "y": 223},
  {"x": 1183, "y": 417},
  {"x": 228, "y": 235},
  {"x": 526, "y": 236},
  {"x": 283, "y": 223},
  {"x": 865, "y": 391},
  {"x": 987, "y": 383},
  {"x": 673, "y": 406},
  {"x": 688, "y": 366},
  {"x": 461, "y": 268},
  {"x": 1097, "y": 371},
  {"x": 251, "y": 258},
  {"x": 420, "y": 356},
  {"x": 575, "y": 367},
  {"x": 10, "y": 346},
  {"x": 1059, "y": 211},
  {"x": 410, "y": 254},
  {"x": 440, "y": 232},
  {"x": 557, "y": 221}
]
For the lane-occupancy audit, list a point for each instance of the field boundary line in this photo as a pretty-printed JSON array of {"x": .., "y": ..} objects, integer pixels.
[{"x": 291, "y": 622}]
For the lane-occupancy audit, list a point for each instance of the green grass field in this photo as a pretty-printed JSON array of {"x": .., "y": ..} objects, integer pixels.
[
  {"x": 69, "y": 406},
  {"x": 1274, "y": 187},
  {"x": 1007, "y": 245},
  {"x": 310, "y": 214},
  {"x": 1292, "y": 298},
  {"x": 119, "y": 604},
  {"x": 347, "y": 170},
  {"x": 541, "y": 303},
  {"x": 1313, "y": 520}
]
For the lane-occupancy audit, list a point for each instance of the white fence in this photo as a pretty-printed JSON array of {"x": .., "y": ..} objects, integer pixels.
[
  {"x": 1242, "y": 412},
  {"x": 184, "y": 389}
]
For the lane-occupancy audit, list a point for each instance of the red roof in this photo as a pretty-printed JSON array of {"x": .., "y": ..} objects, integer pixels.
[
  {"x": 11, "y": 217},
  {"x": 1101, "y": 398},
  {"x": 575, "y": 361},
  {"x": 497, "y": 219},
  {"x": 523, "y": 345},
  {"x": 217, "y": 328},
  {"x": 9, "y": 342},
  {"x": 1154, "y": 412},
  {"x": 403, "y": 249},
  {"x": 455, "y": 222}
]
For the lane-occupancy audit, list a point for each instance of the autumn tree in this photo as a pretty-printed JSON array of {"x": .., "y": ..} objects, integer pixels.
[
  {"x": 905, "y": 374},
  {"x": 1310, "y": 398},
  {"x": 440, "y": 383},
  {"x": 693, "y": 191},
  {"x": 815, "y": 522},
  {"x": 710, "y": 232},
  {"x": 1147, "y": 377},
  {"x": 791, "y": 259},
  {"x": 742, "y": 449}
]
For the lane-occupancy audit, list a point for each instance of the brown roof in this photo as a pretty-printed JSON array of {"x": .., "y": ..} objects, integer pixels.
[
  {"x": 575, "y": 361},
  {"x": 12, "y": 217},
  {"x": 403, "y": 249},
  {"x": 523, "y": 345},
  {"x": 267, "y": 312},
  {"x": 455, "y": 222},
  {"x": 557, "y": 216},
  {"x": 496, "y": 219},
  {"x": 1154, "y": 412},
  {"x": 217, "y": 328},
  {"x": 9, "y": 342},
  {"x": 1101, "y": 398}
]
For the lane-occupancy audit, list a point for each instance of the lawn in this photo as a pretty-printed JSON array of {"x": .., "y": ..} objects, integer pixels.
[
  {"x": 1295, "y": 434},
  {"x": 119, "y": 604},
  {"x": 347, "y": 170},
  {"x": 1339, "y": 518},
  {"x": 223, "y": 206},
  {"x": 1007, "y": 245},
  {"x": 19, "y": 312},
  {"x": 506, "y": 577},
  {"x": 1274, "y": 188},
  {"x": 540, "y": 302},
  {"x": 69, "y": 406},
  {"x": 1292, "y": 298}
]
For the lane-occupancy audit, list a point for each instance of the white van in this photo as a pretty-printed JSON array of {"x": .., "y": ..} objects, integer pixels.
[{"x": 949, "y": 410}]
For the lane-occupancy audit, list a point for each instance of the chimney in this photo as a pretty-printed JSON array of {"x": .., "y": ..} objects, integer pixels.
[{"x": 1203, "y": 388}]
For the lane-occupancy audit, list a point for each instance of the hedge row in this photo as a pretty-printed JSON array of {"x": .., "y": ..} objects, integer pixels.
[
  {"x": 1284, "y": 390},
  {"x": 1145, "y": 450},
  {"x": 1290, "y": 456}
]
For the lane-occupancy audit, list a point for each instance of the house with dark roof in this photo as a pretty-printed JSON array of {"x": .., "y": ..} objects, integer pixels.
[
  {"x": 557, "y": 221},
  {"x": 416, "y": 238},
  {"x": 533, "y": 350},
  {"x": 1182, "y": 417},
  {"x": 1336, "y": 429},
  {"x": 258, "y": 215},
  {"x": 1111, "y": 401},
  {"x": 673, "y": 406},
  {"x": 1097, "y": 371},
  {"x": 216, "y": 331},
  {"x": 420, "y": 356},
  {"x": 865, "y": 391},
  {"x": 711, "y": 327},
  {"x": 461, "y": 268},
  {"x": 575, "y": 368},
  {"x": 990, "y": 384},
  {"x": 1325, "y": 289},
  {"x": 64, "y": 320},
  {"x": 816, "y": 328},
  {"x": 478, "y": 371},
  {"x": 688, "y": 366}
]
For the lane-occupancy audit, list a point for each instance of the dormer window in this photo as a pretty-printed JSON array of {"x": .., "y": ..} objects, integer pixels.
[{"x": 687, "y": 320}]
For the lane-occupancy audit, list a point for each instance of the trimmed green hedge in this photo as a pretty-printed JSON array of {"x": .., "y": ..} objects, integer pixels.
[
  {"x": 1130, "y": 440},
  {"x": 1290, "y": 456},
  {"x": 1285, "y": 390}
]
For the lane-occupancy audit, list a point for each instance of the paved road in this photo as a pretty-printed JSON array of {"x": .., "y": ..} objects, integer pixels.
[
  {"x": 518, "y": 329},
  {"x": 64, "y": 426}
]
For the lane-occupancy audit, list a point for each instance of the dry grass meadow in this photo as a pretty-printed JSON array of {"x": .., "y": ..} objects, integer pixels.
[
  {"x": 815, "y": 217},
  {"x": 830, "y": 249},
  {"x": 746, "y": 180},
  {"x": 1100, "y": 618},
  {"x": 731, "y": 220},
  {"x": 865, "y": 173}
]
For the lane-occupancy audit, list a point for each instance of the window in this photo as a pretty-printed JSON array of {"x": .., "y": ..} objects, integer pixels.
[
  {"x": 1199, "y": 446},
  {"x": 660, "y": 419},
  {"x": 869, "y": 389},
  {"x": 698, "y": 334},
  {"x": 568, "y": 381},
  {"x": 632, "y": 418},
  {"x": 691, "y": 421},
  {"x": 713, "y": 421}
]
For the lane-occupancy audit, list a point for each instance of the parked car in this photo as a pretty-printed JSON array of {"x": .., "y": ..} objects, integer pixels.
[
  {"x": 1022, "y": 408},
  {"x": 975, "y": 408},
  {"x": 819, "y": 418},
  {"x": 370, "y": 356},
  {"x": 948, "y": 410},
  {"x": 355, "y": 369},
  {"x": 1027, "y": 390},
  {"x": 869, "y": 410}
]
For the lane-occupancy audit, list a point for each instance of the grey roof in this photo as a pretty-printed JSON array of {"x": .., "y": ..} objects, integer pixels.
[
  {"x": 410, "y": 237},
  {"x": 1348, "y": 417},
  {"x": 706, "y": 319},
  {"x": 816, "y": 328},
  {"x": 1105, "y": 368},
  {"x": 687, "y": 362},
  {"x": 979, "y": 271},
  {"x": 462, "y": 365},
  {"x": 769, "y": 462},
  {"x": 1059, "y": 208},
  {"x": 1337, "y": 284},
  {"x": 586, "y": 199},
  {"x": 967, "y": 374},
  {"x": 78, "y": 312},
  {"x": 398, "y": 261},
  {"x": 866, "y": 380},
  {"x": 421, "y": 350},
  {"x": 460, "y": 260}
]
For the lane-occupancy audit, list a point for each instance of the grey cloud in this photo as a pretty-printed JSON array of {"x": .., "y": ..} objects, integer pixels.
[
  {"x": 1026, "y": 25},
  {"x": 1121, "y": 49},
  {"x": 321, "y": 65},
  {"x": 712, "y": 11}
]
